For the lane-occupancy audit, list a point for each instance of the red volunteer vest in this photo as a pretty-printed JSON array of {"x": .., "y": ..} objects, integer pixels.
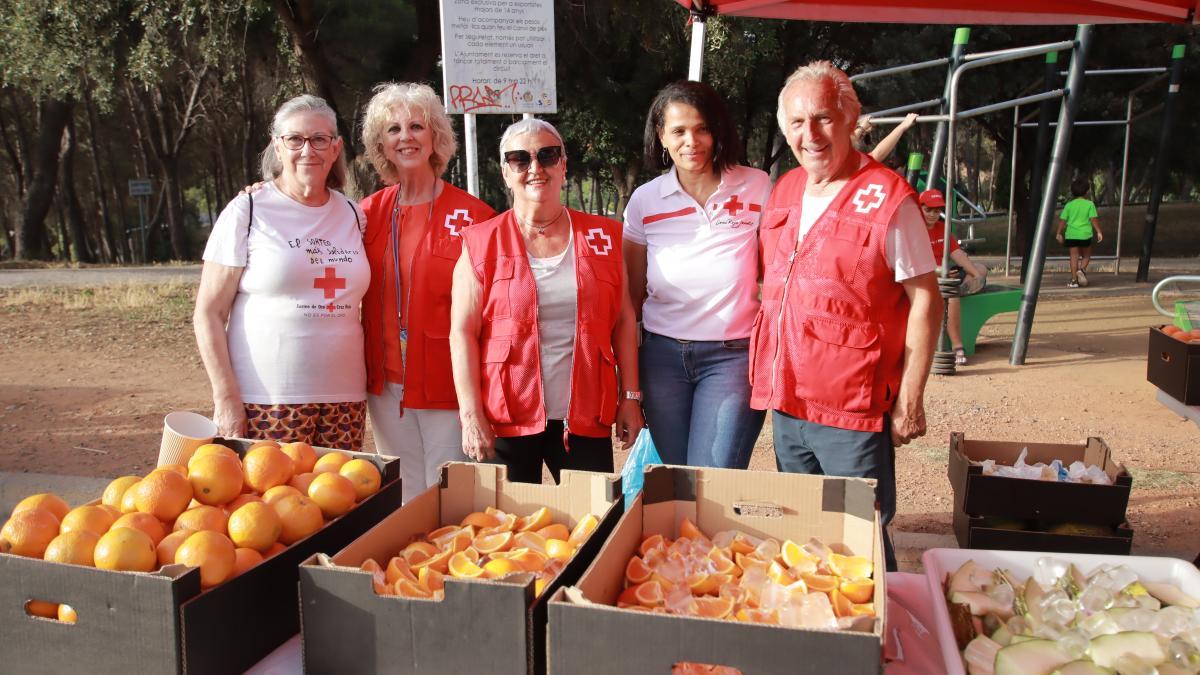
[
  {"x": 510, "y": 370},
  {"x": 428, "y": 384},
  {"x": 828, "y": 343}
]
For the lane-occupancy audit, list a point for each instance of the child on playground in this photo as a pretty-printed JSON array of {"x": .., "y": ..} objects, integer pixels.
[
  {"x": 1080, "y": 220},
  {"x": 974, "y": 276}
]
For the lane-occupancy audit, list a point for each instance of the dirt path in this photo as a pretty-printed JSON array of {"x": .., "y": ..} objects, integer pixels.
[{"x": 84, "y": 386}]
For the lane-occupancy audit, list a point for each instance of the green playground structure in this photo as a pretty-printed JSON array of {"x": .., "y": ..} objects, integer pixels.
[{"x": 978, "y": 308}]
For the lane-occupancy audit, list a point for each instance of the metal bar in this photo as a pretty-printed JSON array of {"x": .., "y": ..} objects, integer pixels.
[
  {"x": 1121, "y": 71},
  {"x": 1163, "y": 284},
  {"x": 937, "y": 158},
  {"x": 895, "y": 70},
  {"x": 1014, "y": 53},
  {"x": 1124, "y": 178},
  {"x": 472, "y": 154},
  {"x": 1041, "y": 155},
  {"x": 1005, "y": 105},
  {"x": 1058, "y": 159},
  {"x": 1012, "y": 190},
  {"x": 879, "y": 114},
  {"x": 920, "y": 119},
  {"x": 1085, "y": 123},
  {"x": 1160, "y": 161},
  {"x": 696, "y": 60}
]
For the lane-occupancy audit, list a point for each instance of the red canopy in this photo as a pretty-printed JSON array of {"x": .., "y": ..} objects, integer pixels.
[{"x": 961, "y": 11}]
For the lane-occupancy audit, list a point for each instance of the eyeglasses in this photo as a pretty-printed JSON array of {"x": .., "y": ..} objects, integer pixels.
[
  {"x": 296, "y": 141},
  {"x": 519, "y": 160}
]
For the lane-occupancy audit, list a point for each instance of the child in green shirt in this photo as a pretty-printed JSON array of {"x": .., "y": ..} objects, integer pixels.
[{"x": 1080, "y": 220}]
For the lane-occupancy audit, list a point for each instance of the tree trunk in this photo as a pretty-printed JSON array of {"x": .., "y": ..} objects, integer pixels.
[
  {"x": 77, "y": 249},
  {"x": 98, "y": 181},
  {"x": 423, "y": 58},
  {"x": 32, "y": 241},
  {"x": 16, "y": 142},
  {"x": 626, "y": 180}
]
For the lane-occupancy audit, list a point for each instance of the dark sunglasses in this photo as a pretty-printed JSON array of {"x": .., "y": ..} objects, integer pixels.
[{"x": 519, "y": 160}]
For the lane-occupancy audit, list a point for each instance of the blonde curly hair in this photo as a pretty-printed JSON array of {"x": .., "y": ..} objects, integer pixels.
[{"x": 419, "y": 100}]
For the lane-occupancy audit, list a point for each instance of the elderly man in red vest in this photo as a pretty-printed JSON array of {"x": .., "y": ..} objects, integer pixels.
[{"x": 850, "y": 307}]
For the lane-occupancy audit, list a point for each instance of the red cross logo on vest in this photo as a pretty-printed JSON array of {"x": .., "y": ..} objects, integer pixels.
[
  {"x": 874, "y": 196},
  {"x": 732, "y": 205},
  {"x": 596, "y": 238},
  {"x": 331, "y": 283},
  {"x": 456, "y": 221}
]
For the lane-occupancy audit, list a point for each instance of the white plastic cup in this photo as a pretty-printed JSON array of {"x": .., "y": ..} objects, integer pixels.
[{"x": 183, "y": 432}]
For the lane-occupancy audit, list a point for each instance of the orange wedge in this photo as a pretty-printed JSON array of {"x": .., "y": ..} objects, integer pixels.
[
  {"x": 557, "y": 548},
  {"x": 627, "y": 599},
  {"x": 758, "y": 616},
  {"x": 779, "y": 574},
  {"x": 748, "y": 561},
  {"x": 722, "y": 564},
  {"x": 583, "y": 529},
  {"x": 793, "y": 555},
  {"x": 461, "y": 541},
  {"x": 688, "y": 529},
  {"x": 850, "y": 566},
  {"x": 431, "y": 580},
  {"x": 530, "y": 540},
  {"x": 442, "y": 532},
  {"x": 649, "y": 594},
  {"x": 530, "y": 561},
  {"x": 534, "y": 521},
  {"x": 480, "y": 520},
  {"x": 714, "y": 608},
  {"x": 493, "y": 543},
  {"x": 555, "y": 531},
  {"x": 862, "y": 609},
  {"x": 378, "y": 579},
  {"x": 398, "y": 568},
  {"x": 418, "y": 551},
  {"x": 858, "y": 591},
  {"x": 471, "y": 554},
  {"x": 410, "y": 589},
  {"x": 743, "y": 544},
  {"x": 460, "y": 566},
  {"x": 636, "y": 571},
  {"x": 500, "y": 567},
  {"x": 820, "y": 583},
  {"x": 708, "y": 584},
  {"x": 438, "y": 562},
  {"x": 841, "y": 604},
  {"x": 508, "y": 523},
  {"x": 652, "y": 542}
]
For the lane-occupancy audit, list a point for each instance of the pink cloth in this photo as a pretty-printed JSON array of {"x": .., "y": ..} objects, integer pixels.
[{"x": 911, "y": 644}]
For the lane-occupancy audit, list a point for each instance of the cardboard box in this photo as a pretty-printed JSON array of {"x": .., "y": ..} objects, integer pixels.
[
  {"x": 1174, "y": 366},
  {"x": 589, "y": 634},
  {"x": 982, "y": 533},
  {"x": 161, "y": 622},
  {"x": 1021, "y": 499},
  {"x": 480, "y": 626}
]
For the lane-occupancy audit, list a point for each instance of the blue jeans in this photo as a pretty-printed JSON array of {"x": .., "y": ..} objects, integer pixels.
[
  {"x": 697, "y": 400},
  {"x": 807, "y": 447}
]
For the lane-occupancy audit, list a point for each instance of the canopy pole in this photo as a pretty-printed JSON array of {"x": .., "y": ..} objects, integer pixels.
[
  {"x": 1160, "y": 162},
  {"x": 696, "y": 60},
  {"x": 938, "y": 157},
  {"x": 1012, "y": 190},
  {"x": 1124, "y": 177},
  {"x": 1058, "y": 159},
  {"x": 1041, "y": 152}
]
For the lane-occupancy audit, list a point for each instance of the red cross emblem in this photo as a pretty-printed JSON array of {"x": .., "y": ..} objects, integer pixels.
[
  {"x": 596, "y": 239},
  {"x": 456, "y": 221},
  {"x": 331, "y": 283},
  {"x": 876, "y": 195},
  {"x": 733, "y": 205}
]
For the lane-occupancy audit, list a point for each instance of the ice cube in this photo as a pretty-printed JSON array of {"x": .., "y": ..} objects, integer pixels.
[
  {"x": 1100, "y": 623},
  {"x": 1184, "y": 654},
  {"x": 679, "y": 600},
  {"x": 767, "y": 550},
  {"x": 1128, "y": 664},
  {"x": 1095, "y": 598},
  {"x": 773, "y": 596},
  {"x": 724, "y": 539},
  {"x": 1140, "y": 620},
  {"x": 1001, "y": 593},
  {"x": 814, "y": 610},
  {"x": 1174, "y": 620},
  {"x": 1047, "y": 571},
  {"x": 1073, "y": 643}
]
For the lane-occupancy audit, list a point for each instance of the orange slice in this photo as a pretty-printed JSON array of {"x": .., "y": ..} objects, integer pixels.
[
  {"x": 557, "y": 548},
  {"x": 793, "y": 555},
  {"x": 862, "y": 609},
  {"x": 850, "y": 566},
  {"x": 378, "y": 578},
  {"x": 493, "y": 543},
  {"x": 530, "y": 540},
  {"x": 636, "y": 571},
  {"x": 480, "y": 520},
  {"x": 747, "y": 562},
  {"x": 534, "y": 521},
  {"x": 758, "y": 616},
  {"x": 841, "y": 604},
  {"x": 442, "y": 533},
  {"x": 779, "y": 574},
  {"x": 714, "y": 608},
  {"x": 418, "y": 551},
  {"x": 722, "y": 564},
  {"x": 530, "y": 561},
  {"x": 555, "y": 531},
  {"x": 858, "y": 591},
  {"x": 652, "y": 542},
  {"x": 410, "y": 589},
  {"x": 438, "y": 562},
  {"x": 431, "y": 580},
  {"x": 583, "y": 529},
  {"x": 460, "y": 541},
  {"x": 460, "y": 566},
  {"x": 688, "y": 529},
  {"x": 398, "y": 568},
  {"x": 743, "y": 544},
  {"x": 508, "y": 523},
  {"x": 649, "y": 594},
  {"x": 820, "y": 583},
  {"x": 708, "y": 584},
  {"x": 500, "y": 567}
]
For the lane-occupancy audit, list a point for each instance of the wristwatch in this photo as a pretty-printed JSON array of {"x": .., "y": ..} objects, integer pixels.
[{"x": 631, "y": 396}]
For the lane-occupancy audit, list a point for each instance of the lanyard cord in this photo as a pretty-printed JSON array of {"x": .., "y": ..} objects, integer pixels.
[{"x": 395, "y": 234}]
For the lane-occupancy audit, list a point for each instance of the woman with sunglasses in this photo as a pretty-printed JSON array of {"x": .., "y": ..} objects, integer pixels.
[
  {"x": 541, "y": 328},
  {"x": 413, "y": 239},
  {"x": 277, "y": 313},
  {"x": 691, "y": 247}
]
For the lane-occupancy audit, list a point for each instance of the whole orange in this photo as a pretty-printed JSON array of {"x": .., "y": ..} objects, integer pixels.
[
  {"x": 30, "y": 531},
  {"x": 74, "y": 548},
  {"x": 149, "y": 525},
  {"x": 211, "y": 449},
  {"x": 265, "y": 467},
  {"x": 302, "y": 454},
  {"x": 240, "y": 501},
  {"x": 279, "y": 492},
  {"x": 169, "y": 544},
  {"x": 163, "y": 494},
  {"x": 116, "y": 489},
  {"x": 330, "y": 461},
  {"x": 212, "y": 552},
  {"x": 52, "y": 503},
  {"x": 201, "y": 518},
  {"x": 363, "y": 475},
  {"x": 333, "y": 492},
  {"x": 301, "y": 481},
  {"x": 216, "y": 479},
  {"x": 255, "y": 526},
  {"x": 300, "y": 517},
  {"x": 126, "y": 549},
  {"x": 129, "y": 499},
  {"x": 246, "y": 558},
  {"x": 93, "y": 518}
]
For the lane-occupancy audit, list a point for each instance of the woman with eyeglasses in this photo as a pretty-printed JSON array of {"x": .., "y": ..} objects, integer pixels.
[
  {"x": 691, "y": 247},
  {"x": 541, "y": 328},
  {"x": 413, "y": 239},
  {"x": 277, "y": 313}
]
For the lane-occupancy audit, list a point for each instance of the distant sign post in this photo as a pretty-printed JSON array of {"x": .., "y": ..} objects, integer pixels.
[
  {"x": 497, "y": 57},
  {"x": 141, "y": 188}
]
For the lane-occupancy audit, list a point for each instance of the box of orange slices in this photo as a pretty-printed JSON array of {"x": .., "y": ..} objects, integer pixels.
[
  {"x": 725, "y": 571},
  {"x": 187, "y": 569},
  {"x": 456, "y": 580}
]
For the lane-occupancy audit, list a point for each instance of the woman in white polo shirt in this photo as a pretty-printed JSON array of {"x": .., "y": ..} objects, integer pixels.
[
  {"x": 691, "y": 248},
  {"x": 277, "y": 314}
]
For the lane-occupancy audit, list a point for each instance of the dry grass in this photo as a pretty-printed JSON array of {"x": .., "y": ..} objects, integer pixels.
[{"x": 164, "y": 300}]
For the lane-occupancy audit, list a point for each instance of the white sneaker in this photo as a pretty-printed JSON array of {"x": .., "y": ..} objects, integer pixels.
[{"x": 1082, "y": 278}]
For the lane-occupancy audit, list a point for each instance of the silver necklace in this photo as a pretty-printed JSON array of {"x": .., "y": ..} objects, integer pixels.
[{"x": 541, "y": 229}]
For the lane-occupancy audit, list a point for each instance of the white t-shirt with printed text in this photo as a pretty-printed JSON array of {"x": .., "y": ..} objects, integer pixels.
[
  {"x": 701, "y": 259},
  {"x": 294, "y": 331}
]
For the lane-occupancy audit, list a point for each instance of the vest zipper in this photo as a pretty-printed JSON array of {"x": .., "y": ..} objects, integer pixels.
[
  {"x": 779, "y": 320},
  {"x": 574, "y": 347}
]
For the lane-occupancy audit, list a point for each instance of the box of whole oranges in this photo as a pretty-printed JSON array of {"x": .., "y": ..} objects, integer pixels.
[
  {"x": 718, "y": 569},
  {"x": 456, "y": 580},
  {"x": 187, "y": 569}
]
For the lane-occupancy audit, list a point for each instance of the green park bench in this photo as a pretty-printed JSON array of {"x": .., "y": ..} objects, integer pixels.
[{"x": 978, "y": 308}]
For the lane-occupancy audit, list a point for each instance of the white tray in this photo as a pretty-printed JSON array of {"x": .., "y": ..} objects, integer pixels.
[{"x": 939, "y": 562}]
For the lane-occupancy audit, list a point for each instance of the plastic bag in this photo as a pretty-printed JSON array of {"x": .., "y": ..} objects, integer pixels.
[{"x": 643, "y": 454}]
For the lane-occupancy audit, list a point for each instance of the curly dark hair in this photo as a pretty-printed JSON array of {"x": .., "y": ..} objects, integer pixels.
[
  {"x": 1080, "y": 187},
  {"x": 706, "y": 101}
]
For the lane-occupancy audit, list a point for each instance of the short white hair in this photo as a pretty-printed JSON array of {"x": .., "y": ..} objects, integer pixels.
[
  {"x": 531, "y": 125},
  {"x": 823, "y": 71}
]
